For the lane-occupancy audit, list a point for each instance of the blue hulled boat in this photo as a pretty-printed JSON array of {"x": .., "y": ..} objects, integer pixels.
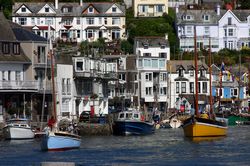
[
  {"x": 59, "y": 141},
  {"x": 131, "y": 122}
]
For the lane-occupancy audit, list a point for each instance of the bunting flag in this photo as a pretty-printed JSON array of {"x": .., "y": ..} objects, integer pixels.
[
  {"x": 222, "y": 66},
  {"x": 228, "y": 76},
  {"x": 245, "y": 78}
]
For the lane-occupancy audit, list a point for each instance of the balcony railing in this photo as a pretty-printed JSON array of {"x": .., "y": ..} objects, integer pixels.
[
  {"x": 110, "y": 75},
  {"x": 21, "y": 85}
]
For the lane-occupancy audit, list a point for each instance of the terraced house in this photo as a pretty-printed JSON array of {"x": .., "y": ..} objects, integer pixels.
[
  {"x": 22, "y": 73},
  {"x": 73, "y": 22},
  {"x": 226, "y": 28}
]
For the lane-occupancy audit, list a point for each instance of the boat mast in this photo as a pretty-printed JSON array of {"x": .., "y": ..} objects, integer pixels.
[
  {"x": 52, "y": 78},
  {"x": 220, "y": 89},
  {"x": 239, "y": 83},
  {"x": 210, "y": 79},
  {"x": 138, "y": 79},
  {"x": 196, "y": 74}
]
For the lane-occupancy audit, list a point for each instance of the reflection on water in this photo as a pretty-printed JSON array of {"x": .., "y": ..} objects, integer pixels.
[
  {"x": 165, "y": 147},
  {"x": 205, "y": 139}
]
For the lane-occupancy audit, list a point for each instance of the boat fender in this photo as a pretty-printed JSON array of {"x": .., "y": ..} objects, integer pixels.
[{"x": 142, "y": 118}]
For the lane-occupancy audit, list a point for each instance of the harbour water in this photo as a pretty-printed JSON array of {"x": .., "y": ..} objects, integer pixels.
[{"x": 165, "y": 147}]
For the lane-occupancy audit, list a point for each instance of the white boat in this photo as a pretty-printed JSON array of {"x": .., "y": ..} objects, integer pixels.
[
  {"x": 175, "y": 123},
  {"x": 18, "y": 129}
]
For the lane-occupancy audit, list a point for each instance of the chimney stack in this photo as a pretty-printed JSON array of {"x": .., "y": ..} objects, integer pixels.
[
  {"x": 177, "y": 8},
  {"x": 80, "y": 2},
  {"x": 218, "y": 10},
  {"x": 56, "y": 4}
]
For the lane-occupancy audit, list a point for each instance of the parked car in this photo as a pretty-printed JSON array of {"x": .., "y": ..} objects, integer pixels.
[{"x": 84, "y": 116}]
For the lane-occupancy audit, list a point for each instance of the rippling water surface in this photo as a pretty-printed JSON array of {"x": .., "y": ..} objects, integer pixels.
[{"x": 165, "y": 147}]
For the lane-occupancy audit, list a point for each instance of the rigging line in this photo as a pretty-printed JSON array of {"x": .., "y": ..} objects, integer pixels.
[{"x": 44, "y": 84}]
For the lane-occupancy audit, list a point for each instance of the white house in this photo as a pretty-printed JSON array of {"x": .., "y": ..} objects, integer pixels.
[
  {"x": 91, "y": 77},
  {"x": 65, "y": 92},
  {"x": 73, "y": 21},
  {"x": 182, "y": 84},
  {"x": 152, "y": 54},
  {"x": 226, "y": 29}
]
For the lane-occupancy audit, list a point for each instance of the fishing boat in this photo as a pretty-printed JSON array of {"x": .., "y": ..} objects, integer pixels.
[
  {"x": 18, "y": 129},
  {"x": 197, "y": 126},
  {"x": 131, "y": 122},
  {"x": 55, "y": 140}
]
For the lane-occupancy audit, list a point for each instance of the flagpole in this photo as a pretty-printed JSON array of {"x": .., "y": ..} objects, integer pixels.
[{"x": 220, "y": 89}]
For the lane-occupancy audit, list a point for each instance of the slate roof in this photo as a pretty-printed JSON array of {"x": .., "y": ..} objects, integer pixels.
[
  {"x": 198, "y": 16},
  {"x": 242, "y": 14},
  {"x": 151, "y": 41},
  {"x": 6, "y": 32},
  {"x": 25, "y": 35},
  {"x": 77, "y": 10},
  {"x": 173, "y": 65},
  {"x": 214, "y": 18},
  {"x": 7, "y": 35}
]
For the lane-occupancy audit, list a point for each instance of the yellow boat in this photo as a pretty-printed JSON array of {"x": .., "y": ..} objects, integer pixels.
[{"x": 200, "y": 127}]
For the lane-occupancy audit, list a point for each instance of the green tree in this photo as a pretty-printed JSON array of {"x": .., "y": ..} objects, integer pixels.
[
  {"x": 244, "y": 4},
  {"x": 6, "y": 5},
  {"x": 126, "y": 47}
]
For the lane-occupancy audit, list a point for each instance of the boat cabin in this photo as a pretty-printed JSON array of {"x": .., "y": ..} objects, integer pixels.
[
  {"x": 18, "y": 123},
  {"x": 130, "y": 115}
]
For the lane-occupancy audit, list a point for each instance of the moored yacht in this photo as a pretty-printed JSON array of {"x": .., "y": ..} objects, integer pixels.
[{"x": 18, "y": 129}]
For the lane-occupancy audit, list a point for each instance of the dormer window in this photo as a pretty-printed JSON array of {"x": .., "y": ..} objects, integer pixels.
[
  {"x": 6, "y": 48},
  {"x": 46, "y": 9},
  {"x": 187, "y": 17},
  {"x": 90, "y": 10},
  {"x": 203, "y": 72},
  {"x": 66, "y": 9},
  {"x": 23, "y": 9},
  {"x": 145, "y": 44},
  {"x": 206, "y": 17},
  {"x": 163, "y": 46},
  {"x": 181, "y": 73},
  {"x": 16, "y": 48},
  {"x": 114, "y": 9},
  {"x": 191, "y": 72}
]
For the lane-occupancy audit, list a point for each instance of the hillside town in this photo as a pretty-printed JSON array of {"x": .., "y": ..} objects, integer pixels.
[{"x": 94, "y": 75}]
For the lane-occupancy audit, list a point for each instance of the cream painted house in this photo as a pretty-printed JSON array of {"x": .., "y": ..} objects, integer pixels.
[{"x": 150, "y": 8}]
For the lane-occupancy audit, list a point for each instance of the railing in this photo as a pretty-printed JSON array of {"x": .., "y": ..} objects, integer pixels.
[
  {"x": 96, "y": 74},
  {"x": 42, "y": 65},
  {"x": 23, "y": 85},
  {"x": 111, "y": 75},
  {"x": 19, "y": 85}
]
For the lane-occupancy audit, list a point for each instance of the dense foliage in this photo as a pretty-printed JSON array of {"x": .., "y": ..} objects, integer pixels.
[{"x": 159, "y": 26}]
